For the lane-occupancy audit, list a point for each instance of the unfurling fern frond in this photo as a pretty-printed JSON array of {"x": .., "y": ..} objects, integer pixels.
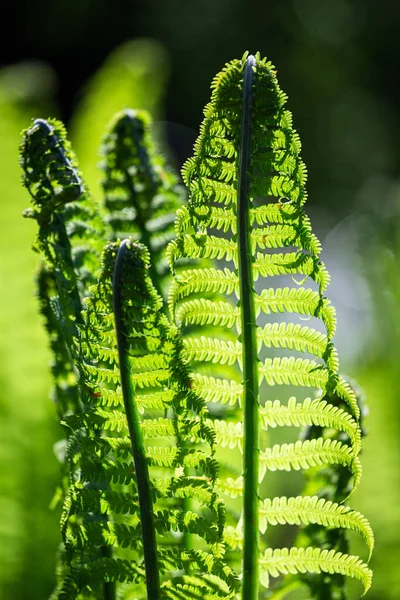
[
  {"x": 104, "y": 539},
  {"x": 154, "y": 406},
  {"x": 246, "y": 188},
  {"x": 141, "y": 194},
  {"x": 153, "y": 346},
  {"x": 69, "y": 221},
  {"x": 69, "y": 240}
]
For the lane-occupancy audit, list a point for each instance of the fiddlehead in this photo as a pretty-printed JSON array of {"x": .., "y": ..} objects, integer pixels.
[
  {"x": 101, "y": 504},
  {"x": 281, "y": 243},
  {"x": 141, "y": 193},
  {"x": 69, "y": 240},
  {"x": 161, "y": 386}
]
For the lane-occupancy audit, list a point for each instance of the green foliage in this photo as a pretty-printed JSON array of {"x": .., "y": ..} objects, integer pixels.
[
  {"x": 276, "y": 221},
  {"x": 141, "y": 196},
  {"x": 28, "y": 430},
  {"x": 134, "y": 74},
  {"x": 100, "y": 477},
  {"x": 200, "y": 376}
]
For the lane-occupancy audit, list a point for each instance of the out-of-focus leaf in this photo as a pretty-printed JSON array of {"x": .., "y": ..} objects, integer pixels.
[
  {"x": 28, "y": 470},
  {"x": 133, "y": 76}
]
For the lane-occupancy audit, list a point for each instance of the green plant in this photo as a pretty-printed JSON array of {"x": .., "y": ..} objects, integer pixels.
[{"x": 154, "y": 495}]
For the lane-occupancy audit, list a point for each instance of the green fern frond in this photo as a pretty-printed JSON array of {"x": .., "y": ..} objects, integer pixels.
[
  {"x": 217, "y": 390},
  {"x": 294, "y": 337},
  {"x": 303, "y": 372},
  {"x": 207, "y": 312},
  {"x": 308, "y": 454},
  {"x": 246, "y": 192},
  {"x": 212, "y": 349},
  {"x": 296, "y": 414},
  {"x": 304, "y": 510},
  {"x": 311, "y": 412},
  {"x": 228, "y": 434},
  {"x": 312, "y": 560},
  {"x": 303, "y": 301},
  {"x": 221, "y": 219},
  {"x": 141, "y": 194},
  {"x": 71, "y": 230},
  {"x": 141, "y": 397},
  {"x": 95, "y": 460},
  {"x": 278, "y": 236},
  {"x": 201, "y": 246},
  {"x": 231, "y": 487},
  {"x": 154, "y": 366},
  {"x": 199, "y": 281},
  {"x": 292, "y": 263}
]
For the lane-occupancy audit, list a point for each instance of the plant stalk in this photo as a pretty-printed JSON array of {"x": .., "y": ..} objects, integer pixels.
[
  {"x": 249, "y": 349},
  {"x": 109, "y": 587},
  {"x": 138, "y": 449}
]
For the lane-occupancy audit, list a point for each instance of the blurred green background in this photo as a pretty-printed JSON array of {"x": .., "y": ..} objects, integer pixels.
[{"x": 82, "y": 61}]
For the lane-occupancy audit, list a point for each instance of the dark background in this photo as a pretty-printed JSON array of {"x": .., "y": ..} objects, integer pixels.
[{"x": 338, "y": 60}]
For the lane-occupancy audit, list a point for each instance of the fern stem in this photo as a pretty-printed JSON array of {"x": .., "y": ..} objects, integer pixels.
[
  {"x": 250, "y": 358},
  {"x": 109, "y": 587},
  {"x": 138, "y": 449}
]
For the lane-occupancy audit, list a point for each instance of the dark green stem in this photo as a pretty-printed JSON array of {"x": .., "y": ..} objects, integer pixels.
[
  {"x": 153, "y": 271},
  {"x": 250, "y": 355},
  {"x": 109, "y": 588},
  {"x": 138, "y": 449}
]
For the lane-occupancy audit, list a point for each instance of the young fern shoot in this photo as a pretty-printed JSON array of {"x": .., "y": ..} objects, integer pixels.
[
  {"x": 121, "y": 272},
  {"x": 149, "y": 393},
  {"x": 141, "y": 195},
  {"x": 104, "y": 538},
  {"x": 246, "y": 191}
]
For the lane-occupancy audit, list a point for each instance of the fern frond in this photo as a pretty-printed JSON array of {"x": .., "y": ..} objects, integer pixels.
[
  {"x": 207, "y": 312},
  {"x": 216, "y": 390},
  {"x": 303, "y": 372},
  {"x": 199, "y": 281},
  {"x": 312, "y": 560},
  {"x": 291, "y": 263},
  {"x": 200, "y": 246},
  {"x": 310, "y": 412},
  {"x": 95, "y": 460},
  {"x": 303, "y": 301},
  {"x": 109, "y": 569},
  {"x": 213, "y": 350},
  {"x": 304, "y": 510},
  {"x": 246, "y": 188},
  {"x": 294, "y": 337},
  {"x": 141, "y": 456},
  {"x": 231, "y": 487},
  {"x": 71, "y": 230},
  {"x": 141, "y": 194},
  {"x": 283, "y": 235},
  {"x": 310, "y": 453},
  {"x": 229, "y": 434},
  {"x": 220, "y": 218},
  {"x": 296, "y": 414},
  {"x": 156, "y": 363}
]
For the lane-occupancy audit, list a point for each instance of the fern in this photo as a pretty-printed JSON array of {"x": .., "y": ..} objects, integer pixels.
[
  {"x": 141, "y": 195},
  {"x": 148, "y": 391},
  {"x": 246, "y": 187},
  {"x": 99, "y": 523}
]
